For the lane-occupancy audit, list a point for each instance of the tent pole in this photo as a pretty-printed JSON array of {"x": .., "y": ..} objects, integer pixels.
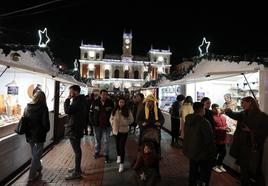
[
  {"x": 4, "y": 71},
  {"x": 249, "y": 86}
]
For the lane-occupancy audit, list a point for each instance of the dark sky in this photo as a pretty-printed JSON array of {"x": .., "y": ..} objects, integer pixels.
[{"x": 233, "y": 29}]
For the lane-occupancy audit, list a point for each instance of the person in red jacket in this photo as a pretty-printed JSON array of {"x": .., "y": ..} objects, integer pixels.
[{"x": 220, "y": 137}]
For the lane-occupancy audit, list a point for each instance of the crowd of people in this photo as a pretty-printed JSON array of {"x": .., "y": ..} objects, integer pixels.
[{"x": 202, "y": 128}]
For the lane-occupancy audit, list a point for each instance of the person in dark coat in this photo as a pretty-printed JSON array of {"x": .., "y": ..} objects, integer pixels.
[
  {"x": 251, "y": 132},
  {"x": 77, "y": 112},
  {"x": 199, "y": 146},
  {"x": 38, "y": 126},
  {"x": 208, "y": 114},
  {"x": 175, "y": 119},
  {"x": 145, "y": 165},
  {"x": 101, "y": 110}
]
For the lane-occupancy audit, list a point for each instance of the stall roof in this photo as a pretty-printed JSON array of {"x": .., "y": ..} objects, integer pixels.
[
  {"x": 39, "y": 62},
  {"x": 207, "y": 70}
]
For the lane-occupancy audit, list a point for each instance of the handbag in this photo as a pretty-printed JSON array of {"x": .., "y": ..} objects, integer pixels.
[{"x": 22, "y": 125}]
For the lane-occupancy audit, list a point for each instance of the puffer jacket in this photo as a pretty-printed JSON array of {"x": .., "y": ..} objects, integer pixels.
[
  {"x": 38, "y": 122},
  {"x": 198, "y": 143},
  {"x": 120, "y": 123},
  {"x": 77, "y": 112}
]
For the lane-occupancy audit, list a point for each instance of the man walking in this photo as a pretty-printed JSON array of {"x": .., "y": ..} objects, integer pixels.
[{"x": 102, "y": 108}]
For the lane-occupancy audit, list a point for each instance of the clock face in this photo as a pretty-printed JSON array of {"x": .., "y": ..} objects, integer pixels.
[{"x": 127, "y": 41}]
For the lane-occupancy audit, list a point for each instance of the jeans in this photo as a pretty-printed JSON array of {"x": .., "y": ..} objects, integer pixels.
[
  {"x": 100, "y": 133},
  {"x": 37, "y": 151},
  {"x": 200, "y": 171},
  {"x": 120, "y": 141},
  {"x": 75, "y": 143}
]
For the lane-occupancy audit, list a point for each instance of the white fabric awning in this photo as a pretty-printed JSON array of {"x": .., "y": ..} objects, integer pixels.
[{"x": 212, "y": 70}]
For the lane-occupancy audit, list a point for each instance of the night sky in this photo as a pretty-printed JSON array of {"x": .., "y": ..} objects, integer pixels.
[{"x": 232, "y": 29}]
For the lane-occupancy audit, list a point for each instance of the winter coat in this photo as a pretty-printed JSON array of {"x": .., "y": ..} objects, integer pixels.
[
  {"x": 186, "y": 109},
  {"x": 143, "y": 160},
  {"x": 38, "y": 122},
  {"x": 198, "y": 143},
  {"x": 175, "y": 110},
  {"x": 220, "y": 129},
  {"x": 77, "y": 112},
  {"x": 97, "y": 106},
  {"x": 151, "y": 121},
  {"x": 209, "y": 116},
  {"x": 256, "y": 122},
  {"x": 120, "y": 123}
]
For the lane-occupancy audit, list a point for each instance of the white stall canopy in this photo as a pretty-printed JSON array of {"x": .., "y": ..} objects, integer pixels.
[
  {"x": 207, "y": 70},
  {"x": 39, "y": 62}
]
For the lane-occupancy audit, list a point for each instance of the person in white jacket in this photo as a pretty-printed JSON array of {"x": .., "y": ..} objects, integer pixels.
[{"x": 120, "y": 120}]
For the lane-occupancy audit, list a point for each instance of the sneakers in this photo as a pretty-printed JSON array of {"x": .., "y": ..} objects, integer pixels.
[
  {"x": 121, "y": 167},
  {"x": 107, "y": 159},
  {"x": 222, "y": 169},
  {"x": 118, "y": 159},
  {"x": 217, "y": 169},
  {"x": 72, "y": 176}
]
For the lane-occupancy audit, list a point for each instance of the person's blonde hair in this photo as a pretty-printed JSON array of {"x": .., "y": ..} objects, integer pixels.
[{"x": 39, "y": 97}]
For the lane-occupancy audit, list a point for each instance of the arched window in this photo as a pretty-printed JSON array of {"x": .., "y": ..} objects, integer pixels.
[
  {"x": 107, "y": 74},
  {"x": 126, "y": 74},
  {"x": 136, "y": 74},
  {"x": 116, "y": 73}
]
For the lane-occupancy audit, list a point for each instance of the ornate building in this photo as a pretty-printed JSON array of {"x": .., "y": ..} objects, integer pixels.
[{"x": 125, "y": 71}]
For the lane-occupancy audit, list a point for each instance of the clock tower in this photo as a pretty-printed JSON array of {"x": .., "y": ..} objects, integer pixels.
[{"x": 127, "y": 45}]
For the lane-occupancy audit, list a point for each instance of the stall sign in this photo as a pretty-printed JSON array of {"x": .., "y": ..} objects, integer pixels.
[{"x": 13, "y": 90}]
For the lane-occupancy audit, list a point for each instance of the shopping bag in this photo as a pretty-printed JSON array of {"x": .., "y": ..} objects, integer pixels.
[{"x": 22, "y": 125}]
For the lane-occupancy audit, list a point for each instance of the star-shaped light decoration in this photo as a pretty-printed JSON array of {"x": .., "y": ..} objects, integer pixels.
[
  {"x": 143, "y": 177},
  {"x": 43, "y": 41},
  {"x": 204, "y": 42}
]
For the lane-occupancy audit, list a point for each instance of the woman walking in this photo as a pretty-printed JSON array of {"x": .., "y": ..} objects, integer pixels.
[{"x": 120, "y": 120}]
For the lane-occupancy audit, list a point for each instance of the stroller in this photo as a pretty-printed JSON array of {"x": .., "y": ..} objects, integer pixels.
[{"x": 146, "y": 165}]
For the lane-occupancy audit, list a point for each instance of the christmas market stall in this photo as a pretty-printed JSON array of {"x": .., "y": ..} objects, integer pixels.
[
  {"x": 224, "y": 80},
  {"x": 23, "y": 71}
]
